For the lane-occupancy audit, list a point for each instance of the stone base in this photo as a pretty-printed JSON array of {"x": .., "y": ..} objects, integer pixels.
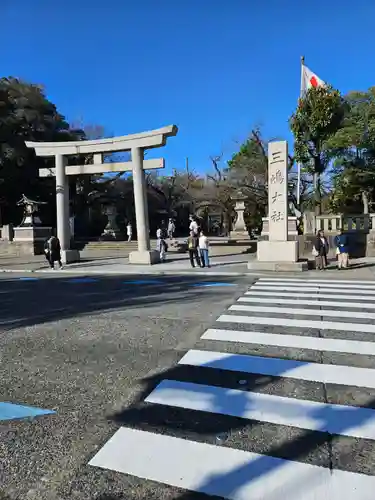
[
  {"x": 148, "y": 257},
  {"x": 111, "y": 235},
  {"x": 277, "y": 251},
  {"x": 257, "y": 265},
  {"x": 30, "y": 240},
  {"x": 239, "y": 235},
  {"x": 68, "y": 256}
]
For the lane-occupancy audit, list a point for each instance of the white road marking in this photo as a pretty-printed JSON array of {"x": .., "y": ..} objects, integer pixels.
[
  {"x": 336, "y": 419},
  {"x": 308, "y": 288},
  {"x": 298, "y": 323},
  {"x": 300, "y": 370},
  {"x": 316, "y": 280},
  {"x": 317, "y": 295},
  {"x": 305, "y": 302},
  {"x": 293, "y": 341},
  {"x": 319, "y": 285},
  {"x": 303, "y": 312},
  {"x": 226, "y": 472}
]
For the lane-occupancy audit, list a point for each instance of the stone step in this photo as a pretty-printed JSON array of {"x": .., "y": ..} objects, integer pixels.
[{"x": 113, "y": 245}]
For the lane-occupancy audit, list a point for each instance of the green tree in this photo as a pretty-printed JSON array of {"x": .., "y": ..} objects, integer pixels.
[
  {"x": 25, "y": 114},
  {"x": 318, "y": 117},
  {"x": 354, "y": 147},
  {"x": 248, "y": 171}
]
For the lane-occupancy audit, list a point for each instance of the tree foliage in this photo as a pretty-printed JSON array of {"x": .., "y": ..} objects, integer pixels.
[
  {"x": 354, "y": 148},
  {"x": 25, "y": 114},
  {"x": 318, "y": 117}
]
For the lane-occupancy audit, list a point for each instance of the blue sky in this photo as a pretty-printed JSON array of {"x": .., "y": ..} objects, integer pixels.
[{"x": 215, "y": 68}]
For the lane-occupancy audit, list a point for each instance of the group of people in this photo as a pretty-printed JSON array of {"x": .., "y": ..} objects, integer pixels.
[
  {"x": 197, "y": 243},
  {"x": 198, "y": 249},
  {"x": 171, "y": 229},
  {"x": 321, "y": 248}
]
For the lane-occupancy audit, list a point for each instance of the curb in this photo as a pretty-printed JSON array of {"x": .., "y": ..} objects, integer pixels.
[
  {"x": 159, "y": 273},
  {"x": 81, "y": 271}
]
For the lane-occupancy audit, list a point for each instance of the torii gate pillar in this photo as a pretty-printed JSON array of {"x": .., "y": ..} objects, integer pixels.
[{"x": 136, "y": 143}]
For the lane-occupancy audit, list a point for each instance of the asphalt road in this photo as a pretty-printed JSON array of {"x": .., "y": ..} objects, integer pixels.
[
  {"x": 89, "y": 350},
  {"x": 189, "y": 381}
]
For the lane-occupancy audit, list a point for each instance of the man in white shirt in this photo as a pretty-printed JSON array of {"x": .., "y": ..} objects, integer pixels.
[
  {"x": 193, "y": 226},
  {"x": 203, "y": 250},
  {"x": 129, "y": 231},
  {"x": 171, "y": 228}
]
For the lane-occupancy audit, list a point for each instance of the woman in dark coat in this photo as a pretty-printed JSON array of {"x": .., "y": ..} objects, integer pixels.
[
  {"x": 321, "y": 250},
  {"x": 52, "y": 250}
]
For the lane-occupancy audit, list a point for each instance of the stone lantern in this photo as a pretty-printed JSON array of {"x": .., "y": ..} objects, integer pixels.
[
  {"x": 111, "y": 230},
  {"x": 30, "y": 235},
  {"x": 239, "y": 230}
]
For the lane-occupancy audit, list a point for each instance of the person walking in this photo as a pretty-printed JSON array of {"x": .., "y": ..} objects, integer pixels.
[
  {"x": 52, "y": 250},
  {"x": 193, "y": 242},
  {"x": 129, "y": 231},
  {"x": 342, "y": 250},
  {"x": 171, "y": 228},
  {"x": 203, "y": 250},
  {"x": 193, "y": 225},
  {"x": 161, "y": 247},
  {"x": 320, "y": 250}
]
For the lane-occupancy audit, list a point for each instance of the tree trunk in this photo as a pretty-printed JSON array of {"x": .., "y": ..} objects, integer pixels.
[
  {"x": 317, "y": 194},
  {"x": 365, "y": 202}
]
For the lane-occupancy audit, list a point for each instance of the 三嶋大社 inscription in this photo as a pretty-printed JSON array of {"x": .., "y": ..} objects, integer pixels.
[{"x": 278, "y": 191}]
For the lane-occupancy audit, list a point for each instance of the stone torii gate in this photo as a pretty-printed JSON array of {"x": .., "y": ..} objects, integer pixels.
[{"x": 136, "y": 143}]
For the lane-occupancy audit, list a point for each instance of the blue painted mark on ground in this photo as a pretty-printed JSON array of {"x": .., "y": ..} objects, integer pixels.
[
  {"x": 11, "y": 411},
  {"x": 83, "y": 280},
  {"x": 214, "y": 284},
  {"x": 142, "y": 282},
  {"x": 28, "y": 279}
]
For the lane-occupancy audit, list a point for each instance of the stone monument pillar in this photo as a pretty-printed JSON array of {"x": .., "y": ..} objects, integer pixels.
[{"x": 278, "y": 254}]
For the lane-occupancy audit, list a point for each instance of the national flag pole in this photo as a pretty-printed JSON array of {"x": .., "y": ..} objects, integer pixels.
[{"x": 298, "y": 165}]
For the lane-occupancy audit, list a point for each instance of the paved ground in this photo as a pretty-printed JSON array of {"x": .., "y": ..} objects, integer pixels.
[
  {"x": 225, "y": 259},
  {"x": 87, "y": 349},
  {"x": 232, "y": 262},
  {"x": 115, "y": 260},
  {"x": 154, "y": 399}
]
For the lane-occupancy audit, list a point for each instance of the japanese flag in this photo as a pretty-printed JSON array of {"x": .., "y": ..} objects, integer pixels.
[{"x": 309, "y": 79}]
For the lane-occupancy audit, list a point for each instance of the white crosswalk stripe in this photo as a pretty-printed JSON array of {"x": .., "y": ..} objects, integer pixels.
[
  {"x": 315, "y": 294},
  {"x": 320, "y": 282},
  {"x": 310, "y": 287},
  {"x": 307, "y": 302},
  {"x": 294, "y": 341},
  {"x": 322, "y": 383}
]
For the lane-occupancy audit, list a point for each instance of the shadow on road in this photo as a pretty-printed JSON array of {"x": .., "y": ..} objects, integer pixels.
[{"x": 26, "y": 303}]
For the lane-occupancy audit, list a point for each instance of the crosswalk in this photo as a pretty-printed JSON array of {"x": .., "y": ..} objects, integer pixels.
[{"x": 286, "y": 377}]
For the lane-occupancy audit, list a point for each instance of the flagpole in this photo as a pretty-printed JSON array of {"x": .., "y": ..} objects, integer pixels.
[{"x": 298, "y": 165}]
